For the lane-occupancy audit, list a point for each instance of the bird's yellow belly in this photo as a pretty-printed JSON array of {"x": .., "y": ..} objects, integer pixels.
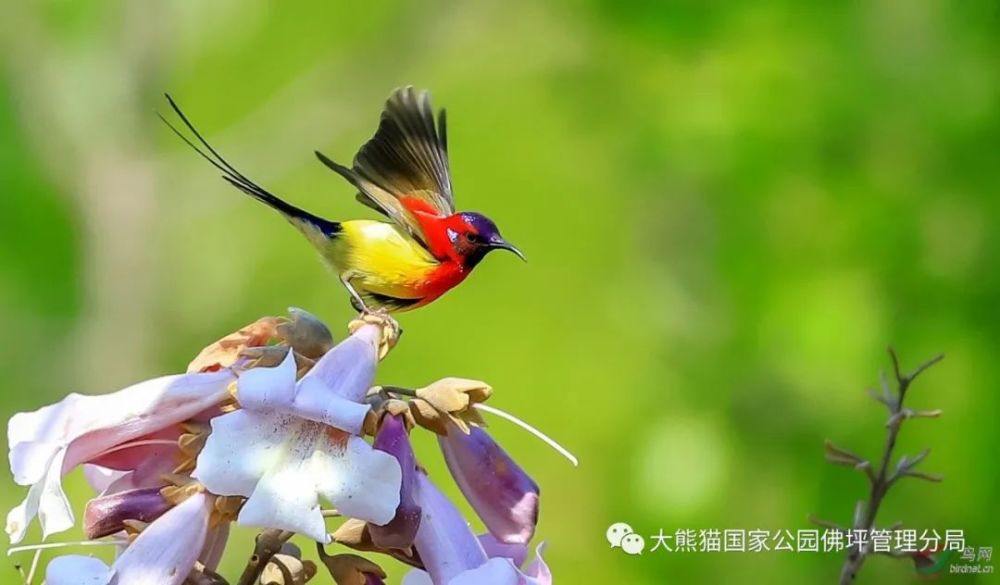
[{"x": 380, "y": 258}]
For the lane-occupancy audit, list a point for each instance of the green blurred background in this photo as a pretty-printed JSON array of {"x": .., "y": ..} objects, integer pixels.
[{"x": 729, "y": 208}]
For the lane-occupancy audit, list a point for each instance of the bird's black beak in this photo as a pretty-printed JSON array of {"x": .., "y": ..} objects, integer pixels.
[{"x": 502, "y": 244}]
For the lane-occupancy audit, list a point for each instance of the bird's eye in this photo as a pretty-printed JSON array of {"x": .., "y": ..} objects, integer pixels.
[{"x": 471, "y": 237}]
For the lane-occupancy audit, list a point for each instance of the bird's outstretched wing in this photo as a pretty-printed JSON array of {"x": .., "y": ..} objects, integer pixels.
[{"x": 403, "y": 169}]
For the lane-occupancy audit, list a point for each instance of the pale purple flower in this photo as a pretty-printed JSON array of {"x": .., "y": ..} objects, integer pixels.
[
  {"x": 293, "y": 442},
  {"x": 49, "y": 442},
  {"x": 452, "y": 555},
  {"x": 504, "y": 497},
  {"x": 399, "y": 533},
  {"x": 445, "y": 542},
  {"x": 163, "y": 554}
]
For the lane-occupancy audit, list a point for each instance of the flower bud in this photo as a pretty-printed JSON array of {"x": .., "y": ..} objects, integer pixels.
[{"x": 106, "y": 515}]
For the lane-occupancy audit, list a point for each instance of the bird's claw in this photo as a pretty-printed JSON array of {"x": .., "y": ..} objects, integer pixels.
[{"x": 380, "y": 318}]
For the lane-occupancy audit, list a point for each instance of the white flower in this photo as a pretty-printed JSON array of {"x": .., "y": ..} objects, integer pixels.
[
  {"x": 294, "y": 442},
  {"x": 53, "y": 440}
]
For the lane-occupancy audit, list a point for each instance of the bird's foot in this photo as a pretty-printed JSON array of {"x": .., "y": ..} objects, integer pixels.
[{"x": 381, "y": 318}]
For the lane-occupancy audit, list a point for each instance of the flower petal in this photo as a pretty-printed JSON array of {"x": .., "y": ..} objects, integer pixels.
[
  {"x": 242, "y": 447},
  {"x": 89, "y": 425},
  {"x": 417, "y": 577},
  {"x": 359, "y": 481},
  {"x": 54, "y": 512},
  {"x": 45, "y": 499},
  {"x": 77, "y": 570},
  {"x": 444, "y": 540},
  {"x": 349, "y": 368},
  {"x": 538, "y": 570},
  {"x": 497, "y": 571},
  {"x": 282, "y": 464},
  {"x": 494, "y": 548},
  {"x": 99, "y": 478},
  {"x": 285, "y": 497},
  {"x": 393, "y": 439},
  {"x": 501, "y": 493},
  {"x": 333, "y": 391},
  {"x": 328, "y": 394},
  {"x": 165, "y": 552},
  {"x": 266, "y": 389}
]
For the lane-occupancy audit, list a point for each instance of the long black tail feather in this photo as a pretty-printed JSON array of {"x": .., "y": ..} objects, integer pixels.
[{"x": 239, "y": 180}]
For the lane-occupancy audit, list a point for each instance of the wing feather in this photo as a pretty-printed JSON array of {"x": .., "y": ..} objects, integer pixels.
[{"x": 406, "y": 158}]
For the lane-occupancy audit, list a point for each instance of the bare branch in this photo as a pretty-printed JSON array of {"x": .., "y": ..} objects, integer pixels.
[{"x": 881, "y": 479}]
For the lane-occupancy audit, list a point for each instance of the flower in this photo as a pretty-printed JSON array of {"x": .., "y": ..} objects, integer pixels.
[
  {"x": 49, "y": 442},
  {"x": 292, "y": 442},
  {"x": 504, "y": 497},
  {"x": 446, "y": 544},
  {"x": 392, "y": 437},
  {"x": 164, "y": 553},
  {"x": 269, "y": 421},
  {"x": 452, "y": 555}
]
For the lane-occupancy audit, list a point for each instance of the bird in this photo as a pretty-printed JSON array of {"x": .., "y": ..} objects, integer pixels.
[{"x": 424, "y": 248}]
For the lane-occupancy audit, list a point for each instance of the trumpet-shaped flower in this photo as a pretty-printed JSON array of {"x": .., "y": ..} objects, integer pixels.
[
  {"x": 293, "y": 442},
  {"x": 452, "y": 555},
  {"x": 399, "y": 533},
  {"x": 504, "y": 497},
  {"x": 49, "y": 442},
  {"x": 164, "y": 553}
]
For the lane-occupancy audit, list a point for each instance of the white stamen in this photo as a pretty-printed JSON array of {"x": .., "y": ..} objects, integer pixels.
[
  {"x": 34, "y": 567},
  {"x": 545, "y": 438},
  {"x": 49, "y": 545},
  {"x": 124, "y": 446}
]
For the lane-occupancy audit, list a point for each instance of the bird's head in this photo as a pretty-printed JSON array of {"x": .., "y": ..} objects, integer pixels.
[{"x": 473, "y": 235}]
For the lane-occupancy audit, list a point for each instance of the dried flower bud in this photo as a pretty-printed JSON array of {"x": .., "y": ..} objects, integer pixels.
[
  {"x": 350, "y": 569},
  {"x": 356, "y": 534},
  {"x": 455, "y": 394},
  {"x": 286, "y": 569},
  {"x": 224, "y": 352},
  {"x": 429, "y": 417},
  {"x": 449, "y": 399}
]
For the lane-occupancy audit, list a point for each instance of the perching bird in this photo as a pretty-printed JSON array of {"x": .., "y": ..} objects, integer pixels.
[{"x": 402, "y": 172}]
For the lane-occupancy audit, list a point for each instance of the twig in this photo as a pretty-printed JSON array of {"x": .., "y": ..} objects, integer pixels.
[
  {"x": 881, "y": 480},
  {"x": 268, "y": 544}
]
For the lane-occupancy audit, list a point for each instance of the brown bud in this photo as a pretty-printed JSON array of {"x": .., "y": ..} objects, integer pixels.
[
  {"x": 356, "y": 534},
  {"x": 350, "y": 569},
  {"x": 224, "y": 352},
  {"x": 284, "y": 569},
  {"x": 455, "y": 394},
  {"x": 428, "y": 417}
]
